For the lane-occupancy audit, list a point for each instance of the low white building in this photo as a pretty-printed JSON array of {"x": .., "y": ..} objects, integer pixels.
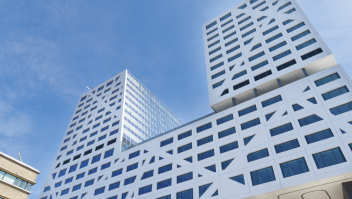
[{"x": 282, "y": 124}]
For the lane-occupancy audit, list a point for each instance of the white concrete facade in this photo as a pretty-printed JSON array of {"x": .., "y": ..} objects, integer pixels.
[{"x": 301, "y": 96}]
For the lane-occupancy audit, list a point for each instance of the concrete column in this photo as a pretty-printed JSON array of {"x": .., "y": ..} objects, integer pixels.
[
  {"x": 255, "y": 92},
  {"x": 305, "y": 72},
  {"x": 279, "y": 82},
  {"x": 233, "y": 101}
]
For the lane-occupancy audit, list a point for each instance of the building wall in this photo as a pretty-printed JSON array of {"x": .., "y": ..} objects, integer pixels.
[
  {"x": 220, "y": 102},
  {"x": 106, "y": 119},
  {"x": 12, "y": 173},
  {"x": 291, "y": 94}
]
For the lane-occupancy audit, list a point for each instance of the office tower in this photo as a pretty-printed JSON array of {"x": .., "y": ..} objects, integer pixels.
[
  {"x": 281, "y": 126},
  {"x": 16, "y": 178}
]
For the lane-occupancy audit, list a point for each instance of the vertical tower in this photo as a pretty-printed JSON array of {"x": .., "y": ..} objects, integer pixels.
[
  {"x": 108, "y": 119},
  {"x": 258, "y": 46}
]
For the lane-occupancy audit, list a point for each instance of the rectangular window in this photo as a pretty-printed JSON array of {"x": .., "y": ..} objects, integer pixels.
[
  {"x": 116, "y": 173},
  {"x": 218, "y": 74},
  {"x": 206, "y": 155},
  {"x": 129, "y": 180},
  {"x": 88, "y": 152},
  {"x": 294, "y": 167},
  {"x": 270, "y": 30},
  {"x": 309, "y": 120},
  {"x": 184, "y": 148},
  {"x": 99, "y": 147},
  {"x": 133, "y": 155},
  {"x": 62, "y": 172},
  {"x": 187, "y": 194},
  {"x": 79, "y": 176},
  {"x": 341, "y": 109},
  {"x": 247, "y": 110},
  {"x": 217, "y": 66},
  {"x": 105, "y": 166},
  {"x": 227, "y": 132},
  {"x": 114, "y": 186},
  {"x": 145, "y": 190},
  {"x": 166, "y": 142},
  {"x": 260, "y": 4},
  {"x": 264, "y": 63},
  {"x": 284, "y": 43},
  {"x": 286, "y": 65},
  {"x": 93, "y": 171},
  {"x": 215, "y": 29},
  {"x": 204, "y": 127},
  {"x": 214, "y": 51},
  {"x": 287, "y": 146},
  {"x": 256, "y": 56},
  {"x": 96, "y": 158},
  {"x": 248, "y": 33},
  {"x": 163, "y": 184},
  {"x": 318, "y": 136},
  {"x": 102, "y": 137},
  {"x": 229, "y": 147},
  {"x": 165, "y": 168},
  {"x": 307, "y": 32},
  {"x": 327, "y": 79},
  {"x": 274, "y": 38},
  {"x": 262, "y": 75},
  {"x": 250, "y": 124},
  {"x": 64, "y": 192},
  {"x": 281, "y": 55},
  {"x": 184, "y": 135},
  {"x": 132, "y": 167},
  {"x": 205, "y": 140},
  {"x": 335, "y": 93},
  {"x": 329, "y": 158},
  {"x": 229, "y": 35},
  {"x": 244, "y": 20},
  {"x": 68, "y": 180},
  {"x": 246, "y": 26},
  {"x": 213, "y": 44},
  {"x": 211, "y": 25},
  {"x": 90, "y": 143},
  {"x": 240, "y": 85},
  {"x": 215, "y": 58},
  {"x": 224, "y": 24},
  {"x": 185, "y": 177},
  {"x": 305, "y": 44},
  {"x": 99, "y": 191},
  {"x": 231, "y": 42},
  {"x": 311, "y": 54},
  {"x": 212, "y": 37},
  {"x": 262, "y": 176},
  {"x": 83, "y": 164},
  {"x": 224, "y": 119},
  {"x": 88, "y": 183},
  {"x": 295, "y": 27},
  {"x": 147, "y": 174},
  {"x": 257, "y": 155},
  {"x": 73, "y": 168},
  {"x": 227, "y": 29},
  {"x": 232, "y": 49},
  {"x": 225, "y": 17},
  {"x": 271, "y": 101},
  {"x": 234, "y": 57},
  {"x": 281, "y": 129}
]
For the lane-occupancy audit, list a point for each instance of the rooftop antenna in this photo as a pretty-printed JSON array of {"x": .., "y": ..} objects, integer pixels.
[
  {"x": 89, "y": 88},
  {"x": 19, "y": 157}
]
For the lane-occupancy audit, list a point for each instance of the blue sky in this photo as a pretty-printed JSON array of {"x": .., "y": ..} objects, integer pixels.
[{"x": 51, "y": 50}]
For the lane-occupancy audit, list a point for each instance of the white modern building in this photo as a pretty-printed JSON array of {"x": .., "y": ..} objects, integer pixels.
[{"x": 282, "y": 124}]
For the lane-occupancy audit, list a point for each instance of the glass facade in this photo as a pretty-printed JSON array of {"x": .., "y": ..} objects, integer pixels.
[{"x": 145, "y": 113}]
